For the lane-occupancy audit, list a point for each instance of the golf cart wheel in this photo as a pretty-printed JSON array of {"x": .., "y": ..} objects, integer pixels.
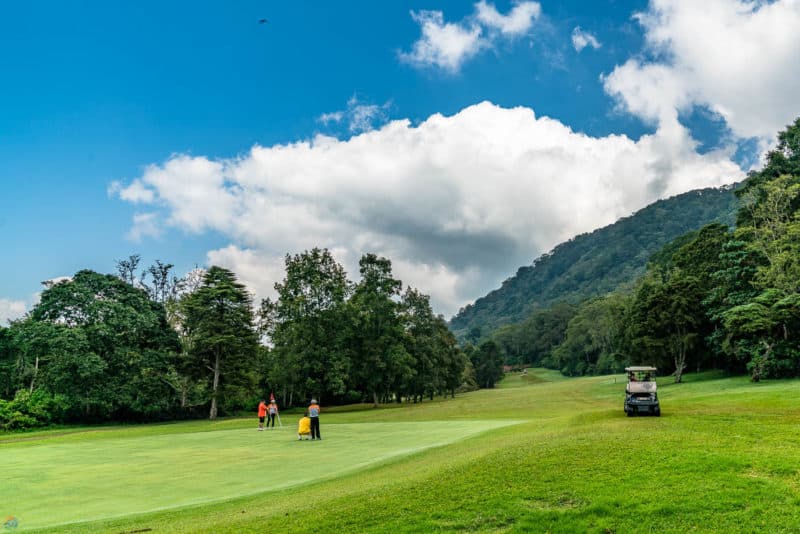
[
  {"x": 657, "y": 412},
  {"x": 629, "y": 413}
]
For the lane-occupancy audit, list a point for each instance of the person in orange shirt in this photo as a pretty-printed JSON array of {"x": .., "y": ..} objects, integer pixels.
[
  {"x": 272, "y": 411},
  {"x": 262, "y": 414},
  {"x": 313, "y": 414}
]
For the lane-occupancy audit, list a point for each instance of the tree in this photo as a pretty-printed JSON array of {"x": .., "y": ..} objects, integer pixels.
[
  {"x": 126, "y": 269},
  {"x": 594, "y": 338},
  {"x": 9, "y": 382},
  {"x": 532, "y": 341},
  {"x": 221, "y": 337},
  {"x": 309, "y": 327},
  {"x": 438, "y": 362},
  {"x": 488, "y": 363},
  {"x": 380, "y": 359},
  {"x": 159, "y": 282},
  {"x": 753, "y": 302},
  {"x": 665, "y": 319},
  {"x": 452, "y": 360},
  {"x": 105, "y": 343}
]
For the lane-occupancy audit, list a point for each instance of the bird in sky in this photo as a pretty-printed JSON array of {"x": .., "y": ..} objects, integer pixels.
[{"x": 263, "y": 21}]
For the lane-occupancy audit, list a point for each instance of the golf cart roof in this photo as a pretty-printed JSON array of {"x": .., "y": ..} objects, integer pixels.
[{"x": 635, "y": 369}]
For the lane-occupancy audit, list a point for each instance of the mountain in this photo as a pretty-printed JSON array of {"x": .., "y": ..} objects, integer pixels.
[{"x": 598, "y": 262}]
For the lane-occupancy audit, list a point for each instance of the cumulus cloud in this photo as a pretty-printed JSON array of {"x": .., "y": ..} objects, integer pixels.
[
  {"x": 257, "y": 269},
  {"x": 11, "y": 310},
  {"x": 448, "y": 45},
  {"x": 457, "y": 202},
  {"x": 737, "y": 58},
  {"x": 443, "y": 44},
  {"x": 581, "y": 39}
]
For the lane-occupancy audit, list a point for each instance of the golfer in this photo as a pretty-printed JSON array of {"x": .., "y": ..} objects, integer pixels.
[
  {"x": 272, "y": 411},
  {"x": 304, "y": 427},
  {"x": 313, "y": 414},
  {"x": 262, "y": 413}
]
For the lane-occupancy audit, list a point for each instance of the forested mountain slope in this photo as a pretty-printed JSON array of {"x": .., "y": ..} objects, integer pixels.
[{"x": 597, "y": 262}]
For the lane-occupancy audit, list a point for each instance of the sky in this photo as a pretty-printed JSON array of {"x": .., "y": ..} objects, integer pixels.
[{"x": 459, "y": 139}]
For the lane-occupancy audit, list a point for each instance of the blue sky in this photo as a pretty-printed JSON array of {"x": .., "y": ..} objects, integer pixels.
[{"x": 98, "y": 98}]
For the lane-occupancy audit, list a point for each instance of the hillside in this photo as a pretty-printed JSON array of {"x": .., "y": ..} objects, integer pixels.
[{"x": 597, "y": 262}]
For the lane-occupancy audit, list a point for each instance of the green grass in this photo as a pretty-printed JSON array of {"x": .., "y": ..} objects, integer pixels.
[{"x": 538, "y": 454}]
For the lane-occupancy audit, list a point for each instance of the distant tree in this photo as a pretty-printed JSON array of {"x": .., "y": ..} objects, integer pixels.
[
  {"x": 160, "y": 283},
  {"x": 532, "y": 341},
  {"x": 593, "y": 342},
  {"x": 221, "y": 337},
  {"x": 474, "y": 335},
  {"x": 9, "y": 381},
  {"x": 438, "y": 362},
  {"x": 452, "y": 360},
  {"x": 126, "y": 268},
  {"x": 488, "y": 363}
]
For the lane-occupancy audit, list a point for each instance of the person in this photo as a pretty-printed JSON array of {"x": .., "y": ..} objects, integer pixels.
[
  {"x": 304, "y": 427},
  {"x": 272, "y": 411},
  {"x": 262, "y": 413},
  {"x": 313, "y": 414},
  {"x": 631, "y": 376}
]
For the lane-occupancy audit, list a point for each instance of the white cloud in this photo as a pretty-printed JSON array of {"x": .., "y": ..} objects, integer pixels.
[
  {"x": 443, "y": 45},
  {"x": 136, "y": 192},
  {"x": 737, "y": 58},
  {"x": 359, "y": 116},
  {"x": 448, "y": 45},
  {"x": 335, "y": 116},
  {"x": 456, "y": 202},
  {"x": 517, "y": 22},
  {"x": 256, "y": 269},
  {"x": 581, "y": 39},
  {"x": 144, "y": 224},
  {"x": 11, "y": 310}
]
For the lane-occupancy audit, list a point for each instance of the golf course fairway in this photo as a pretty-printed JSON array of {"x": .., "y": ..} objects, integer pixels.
[
  {"x": 541, "y": 453},
  {"x": 50, "y": 484}
]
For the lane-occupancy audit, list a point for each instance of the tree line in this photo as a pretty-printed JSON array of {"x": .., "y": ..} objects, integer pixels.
[
  {"x": 151, "y": 346},
  {"x": 716, "y": 298}
]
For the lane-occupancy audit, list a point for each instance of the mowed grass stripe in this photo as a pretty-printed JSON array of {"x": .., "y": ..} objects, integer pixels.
[{"x": 56, "y": 483}]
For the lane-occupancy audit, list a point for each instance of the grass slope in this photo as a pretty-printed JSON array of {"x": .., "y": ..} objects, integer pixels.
[
  {"x": 723, "y": 457},
  {"x": 55, "y": 483}
]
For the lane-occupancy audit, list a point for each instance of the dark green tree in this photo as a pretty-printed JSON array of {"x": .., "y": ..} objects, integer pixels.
[
  {"x": 104, "y": 344},
  {"x": 664, "y": 321},
  {"x": 593, "y": 343},
  {"x": 309, "y": 327},
  {"x": 221, "y": 338},
  {"x": 438, "y": 362},
  {"x": 380, "y": 359},
  {"x": 488, "y": 363}
]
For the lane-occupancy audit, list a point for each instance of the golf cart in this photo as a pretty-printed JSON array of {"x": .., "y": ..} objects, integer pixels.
[{"x": 640, "y": 393}]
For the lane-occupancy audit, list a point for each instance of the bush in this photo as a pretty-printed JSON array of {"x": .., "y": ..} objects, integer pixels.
[{"x": 31, "y": 410}]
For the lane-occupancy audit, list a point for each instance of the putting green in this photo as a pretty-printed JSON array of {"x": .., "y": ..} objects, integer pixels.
[{"x": 52, "y": 483}]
